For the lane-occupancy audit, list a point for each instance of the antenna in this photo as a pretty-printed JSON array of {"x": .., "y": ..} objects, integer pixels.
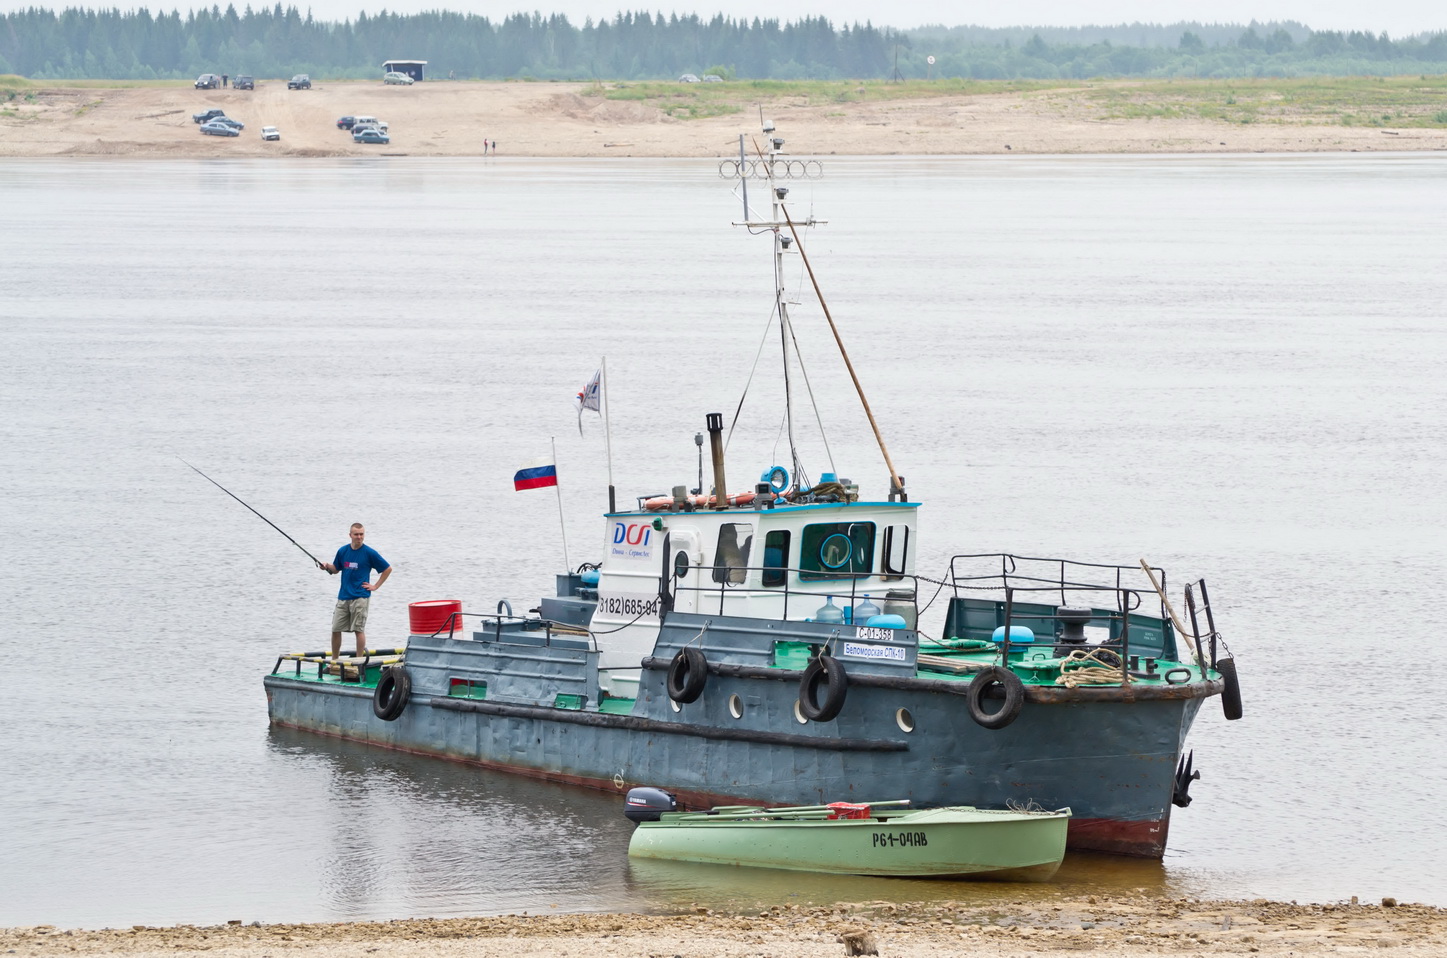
[{"x": 744, "y": 182}]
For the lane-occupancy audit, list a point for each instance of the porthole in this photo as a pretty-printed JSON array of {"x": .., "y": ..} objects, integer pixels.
[
  {"x": 736, "y": 706},
  {"x": 799, "y": 715},
  {"x": 904, "y": 720},
  {"x": 675, "y": 706},
  {"x": 680, "y": 565}
]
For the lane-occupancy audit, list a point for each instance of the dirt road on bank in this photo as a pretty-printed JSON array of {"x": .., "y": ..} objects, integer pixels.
[
  {"x": 574, "y": 120},
  {"x": 1110, "y": 925}
]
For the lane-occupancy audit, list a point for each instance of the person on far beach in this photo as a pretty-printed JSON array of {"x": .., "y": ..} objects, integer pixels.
[
  {"x": 356, "y": 561},
  {"x": 225, "y": 78}
]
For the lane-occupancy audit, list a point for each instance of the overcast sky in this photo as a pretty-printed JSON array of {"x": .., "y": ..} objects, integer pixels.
[{"x": 1397, "y": 17}]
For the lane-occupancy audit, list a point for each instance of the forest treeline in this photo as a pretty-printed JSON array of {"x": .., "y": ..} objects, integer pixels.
[{"x": 278, "y": 42}]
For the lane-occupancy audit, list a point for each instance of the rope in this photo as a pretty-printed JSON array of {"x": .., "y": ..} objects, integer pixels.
[{"x": 1075, "y": 670}]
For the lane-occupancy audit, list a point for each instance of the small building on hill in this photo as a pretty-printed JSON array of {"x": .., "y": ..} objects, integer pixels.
[{"x": 413, "y": 68}]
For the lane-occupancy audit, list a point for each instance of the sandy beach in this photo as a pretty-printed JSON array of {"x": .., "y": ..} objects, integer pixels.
[
  {"x": 574, "y": 120},
  {"x": 1108, "y": 924}
]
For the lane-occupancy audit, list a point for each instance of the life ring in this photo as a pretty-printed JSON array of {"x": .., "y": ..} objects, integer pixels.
[
  {"x": 827, "y": 670},
  {"x": 665, "y": 503},
  {"x": 687, "y": 675},
  {"x": 1014, "y": 697},
  {"x": 389, "y": 700},
  {"x": 1231, "y": 695}
]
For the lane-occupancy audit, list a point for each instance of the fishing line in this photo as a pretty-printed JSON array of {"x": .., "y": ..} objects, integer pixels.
[{"x": 258, "y": 515}]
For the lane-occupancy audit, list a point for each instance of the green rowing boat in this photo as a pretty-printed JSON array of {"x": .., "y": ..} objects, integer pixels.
[{"x": 876, "y": 839}]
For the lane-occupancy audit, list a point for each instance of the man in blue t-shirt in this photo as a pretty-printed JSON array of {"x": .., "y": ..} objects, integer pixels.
[{"x": 356, "y": 562}]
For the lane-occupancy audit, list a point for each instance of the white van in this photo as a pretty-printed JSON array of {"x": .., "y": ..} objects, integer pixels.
[{"x": 362, "y": 122}]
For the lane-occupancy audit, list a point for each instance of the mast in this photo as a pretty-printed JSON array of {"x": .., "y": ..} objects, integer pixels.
[{"x": 780, "y": 220}]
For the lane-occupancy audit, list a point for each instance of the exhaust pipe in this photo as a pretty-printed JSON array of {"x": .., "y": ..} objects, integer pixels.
[{"x": 714, "y": 422}]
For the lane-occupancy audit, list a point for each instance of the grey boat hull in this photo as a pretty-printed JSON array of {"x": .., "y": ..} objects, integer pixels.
[{"x": 1109, "y": 753}]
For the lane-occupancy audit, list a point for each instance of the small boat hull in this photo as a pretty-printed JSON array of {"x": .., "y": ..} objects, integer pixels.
[{"x": 957, "y": 842}]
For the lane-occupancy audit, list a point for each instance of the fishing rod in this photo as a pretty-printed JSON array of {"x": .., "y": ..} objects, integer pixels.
[{"x": 258, "y": 515}]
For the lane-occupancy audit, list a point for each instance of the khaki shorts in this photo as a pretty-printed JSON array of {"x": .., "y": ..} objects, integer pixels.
[{"x": 350, "y": 615}]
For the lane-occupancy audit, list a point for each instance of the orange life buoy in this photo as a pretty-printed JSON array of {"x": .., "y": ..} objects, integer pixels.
[{"x": 664, "y": 503}]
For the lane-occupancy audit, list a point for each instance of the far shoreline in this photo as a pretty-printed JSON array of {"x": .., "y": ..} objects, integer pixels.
[{"x": 580, "y": 120}]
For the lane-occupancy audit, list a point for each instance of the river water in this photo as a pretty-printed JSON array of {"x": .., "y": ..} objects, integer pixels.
[{"x": 1229, "y": 365}]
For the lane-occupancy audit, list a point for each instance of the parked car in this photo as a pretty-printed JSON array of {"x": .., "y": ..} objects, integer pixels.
[
  {"x": 688, "y": 78},
  {"x": 401, "y": 78},
  {"x": 219, "y": 129},
  {"x": 371, "y": 135},
  {"x": 244, "y": 83},
  {"x": 207, "y": 115},
  {"x": 712, "y": 78},
  {"x": 299, "y": 82},
  {"x": 228, "y": 121},
  {"x": 270, "y": 133},
  {"x": 366, "y": 121},
  {"x": 208, "y": 81},
  {"x": 346, "y": 122}
]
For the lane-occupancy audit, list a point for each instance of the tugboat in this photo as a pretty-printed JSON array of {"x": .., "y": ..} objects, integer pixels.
[{"x": 764, "y": 648}]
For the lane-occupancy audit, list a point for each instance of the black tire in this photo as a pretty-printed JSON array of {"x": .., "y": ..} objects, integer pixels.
[
  {"x": 1014, "y": 697},
  {"x": 687, "y": 675},
  {"x": 389, "y": 701},
  {"x": 827, "y": 671},
  {"x": 1231, "y": 695}
]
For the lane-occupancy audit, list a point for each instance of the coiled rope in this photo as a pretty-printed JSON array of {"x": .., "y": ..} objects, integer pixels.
[{"x": 1087, "y": 668}]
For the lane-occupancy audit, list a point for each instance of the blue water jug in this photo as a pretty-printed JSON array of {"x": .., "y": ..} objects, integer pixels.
[
  {"x": 865, "y": 611},
  {"x": 829, "y": 612}
]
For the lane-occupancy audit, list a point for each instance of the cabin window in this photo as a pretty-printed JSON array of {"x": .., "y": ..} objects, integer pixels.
[
  {"x": 776, "y": 558},
  {"x": 731, "y": 560},
  {"x": 894, "y": 557},
  {"x": 830, "y": 550},
  {"x": 680, "y": 564}
]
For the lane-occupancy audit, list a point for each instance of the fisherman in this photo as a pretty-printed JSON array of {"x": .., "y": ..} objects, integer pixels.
[{"x": 355, "y": 561}]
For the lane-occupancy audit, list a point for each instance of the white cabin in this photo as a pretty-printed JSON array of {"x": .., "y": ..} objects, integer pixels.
[{"x": 767, "y": 563}]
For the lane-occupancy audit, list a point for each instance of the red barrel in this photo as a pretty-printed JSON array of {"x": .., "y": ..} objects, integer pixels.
[{"x": 435, "y": 615}]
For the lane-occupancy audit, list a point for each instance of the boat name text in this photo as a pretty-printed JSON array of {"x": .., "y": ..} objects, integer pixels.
[{"x": 856, "y": 650}]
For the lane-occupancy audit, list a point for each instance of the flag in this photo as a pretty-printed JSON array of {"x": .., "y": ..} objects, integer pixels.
[
  {"x": 536, "y": 474},
  {"x": 591, "y": 398}
]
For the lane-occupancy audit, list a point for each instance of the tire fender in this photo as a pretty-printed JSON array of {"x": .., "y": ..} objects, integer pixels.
[
  {"x": 1014, "y": 697},
  {"x": 687, "y": 675},
  {"x": 825, "y": 670},
  {"x": 389, "y": 700},
  {"x": 1231, "y": 695}
]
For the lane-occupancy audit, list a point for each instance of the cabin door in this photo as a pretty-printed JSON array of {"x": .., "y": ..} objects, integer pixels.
[{"x": 684, "y": 576}]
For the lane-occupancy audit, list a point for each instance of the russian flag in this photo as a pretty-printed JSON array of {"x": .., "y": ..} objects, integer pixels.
[{"x": 536, "y": 474}]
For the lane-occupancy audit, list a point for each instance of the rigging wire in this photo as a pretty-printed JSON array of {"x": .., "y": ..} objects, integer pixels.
[
  {"x": 814, "y": 403},
  {"x": 738, "y": 410}
]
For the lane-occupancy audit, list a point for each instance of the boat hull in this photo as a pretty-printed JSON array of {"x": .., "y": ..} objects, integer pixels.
[
  {"x": 934, "y": 843},
  {"x": 1111, "y": 761}
]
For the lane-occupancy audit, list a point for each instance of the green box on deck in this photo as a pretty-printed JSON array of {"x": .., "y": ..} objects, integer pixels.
[{"x": 793, "y": 655}]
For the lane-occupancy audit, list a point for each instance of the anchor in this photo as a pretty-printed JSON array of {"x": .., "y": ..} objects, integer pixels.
[{"x": 1184, "y": 777}]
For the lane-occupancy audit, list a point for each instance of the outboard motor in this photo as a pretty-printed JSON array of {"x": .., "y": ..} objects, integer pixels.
[
  {"x": 1072, "y": 629},
  {"x": 646, "y": 804}
]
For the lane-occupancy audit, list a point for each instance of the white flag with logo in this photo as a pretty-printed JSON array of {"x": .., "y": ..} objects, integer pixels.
[{"x": 591, "y": 398}]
